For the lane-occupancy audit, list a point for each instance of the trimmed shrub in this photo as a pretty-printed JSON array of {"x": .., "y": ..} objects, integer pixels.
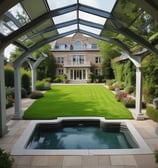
[
  {"x": 156, "y": 157},
  {"x": 23, "y": 93},
  {"x": 26, "y": 82},
  {"x": 40, "y": 85},
  {"x": 9, "y": 76},
  {"x": 36, "y": 95},
  {"x": 43, "y": 85},
  {"x": 152, "y": 113},
  {"x": 10, "y": 92}
]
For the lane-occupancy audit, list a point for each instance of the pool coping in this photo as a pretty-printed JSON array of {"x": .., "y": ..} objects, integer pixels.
[{"x": 19, "y": 147}]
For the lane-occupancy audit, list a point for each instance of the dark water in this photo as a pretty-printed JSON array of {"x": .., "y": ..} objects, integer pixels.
[{"x": 79, "y": 136}]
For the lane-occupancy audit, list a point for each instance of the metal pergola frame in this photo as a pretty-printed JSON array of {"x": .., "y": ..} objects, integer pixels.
[{"x": 30, "y": 29}]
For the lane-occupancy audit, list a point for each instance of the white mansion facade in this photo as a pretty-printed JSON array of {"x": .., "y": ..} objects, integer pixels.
[{"x": 76, "y": 57}]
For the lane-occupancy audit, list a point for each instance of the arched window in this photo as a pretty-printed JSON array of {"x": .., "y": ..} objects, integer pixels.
[{"x": 77, "y": 45}]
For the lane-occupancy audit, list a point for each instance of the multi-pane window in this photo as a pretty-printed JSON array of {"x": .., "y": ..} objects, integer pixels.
[
  {"x": 98, "y": 60},
  {"x": 60, "y": 71},
  {"x": 78, "y": 59},
  {"x": 77, "y": 45},
  {"x": 97, "y": 72},
  {"x": 94, "y": 46},
  {"x": 60, "y": 60},
  {"x": 62, "y": 46}
]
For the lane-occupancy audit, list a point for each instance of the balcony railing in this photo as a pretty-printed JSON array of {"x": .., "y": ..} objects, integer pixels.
[
  {"x": 77, "y": 64},
  {"x": 71, "y": 48}
]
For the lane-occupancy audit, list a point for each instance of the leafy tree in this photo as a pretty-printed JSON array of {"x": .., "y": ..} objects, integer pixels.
[{"x": 47, "y": 67}]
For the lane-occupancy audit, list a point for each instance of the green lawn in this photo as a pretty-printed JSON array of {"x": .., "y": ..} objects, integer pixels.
[{"x": 77, "y": 100}]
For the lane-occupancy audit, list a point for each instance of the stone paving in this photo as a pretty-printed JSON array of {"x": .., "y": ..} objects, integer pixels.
[{"x": 147, "y": 129}]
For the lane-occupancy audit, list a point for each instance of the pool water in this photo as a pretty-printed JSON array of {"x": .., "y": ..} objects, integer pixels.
[{"x": 81, "y": 135}]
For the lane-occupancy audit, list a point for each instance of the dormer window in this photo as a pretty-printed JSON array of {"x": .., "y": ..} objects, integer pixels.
[
  {"x": 77, "y": 45},
  {"x": 94, "y": 46}
]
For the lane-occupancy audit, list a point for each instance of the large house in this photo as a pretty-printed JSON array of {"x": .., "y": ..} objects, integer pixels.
[{"x": 76, "y": 57}]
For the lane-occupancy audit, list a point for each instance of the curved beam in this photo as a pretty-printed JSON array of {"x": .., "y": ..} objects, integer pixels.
[
  {"x": 24, "y": 56},
  {"x": 111, "y": 40},
  {"x": 5, "y": 5},
  {"x": 34, "y": 23}
]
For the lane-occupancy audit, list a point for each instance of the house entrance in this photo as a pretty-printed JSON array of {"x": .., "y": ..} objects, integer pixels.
[{"x": 78, "y": 74}]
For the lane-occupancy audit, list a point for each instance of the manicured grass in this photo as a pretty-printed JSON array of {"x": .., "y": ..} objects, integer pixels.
[{"x": 77, "y": 100}]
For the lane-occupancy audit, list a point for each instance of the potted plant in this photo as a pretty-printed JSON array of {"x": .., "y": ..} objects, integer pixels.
[{"x": 6, "y": 160}]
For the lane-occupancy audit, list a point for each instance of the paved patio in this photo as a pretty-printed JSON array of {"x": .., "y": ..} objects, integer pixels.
[{"x": 147, "y": 129}]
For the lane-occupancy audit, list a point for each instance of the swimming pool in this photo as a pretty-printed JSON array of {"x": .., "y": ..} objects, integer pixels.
[{"x": 80, "y": 136}]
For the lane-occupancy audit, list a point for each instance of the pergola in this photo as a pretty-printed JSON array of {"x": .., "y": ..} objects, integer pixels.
[{"x": 42, "y": 21}]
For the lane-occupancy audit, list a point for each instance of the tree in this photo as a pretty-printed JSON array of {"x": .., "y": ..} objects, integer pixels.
[{"x": 47, "y": 68}]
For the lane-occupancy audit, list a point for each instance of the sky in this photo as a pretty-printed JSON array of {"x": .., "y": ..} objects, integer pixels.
[{"x": 53, "y": 4}]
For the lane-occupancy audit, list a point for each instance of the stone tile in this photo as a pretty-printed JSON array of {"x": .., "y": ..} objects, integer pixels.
[
  {"x": 116, "y": 160},
  {"x": 103, "y": 161},
  {"x": 90, "y": 162},
  {"x": 23, "y": 160},
  {"x": 129, "y": 160},
  {"x": 146, "y": 161},
  {"x": 69, "y": 161},
  {"x": 125, "y": 160},
  {"x": 39, "y": 161},
  {"x": 55, "y": 161}
]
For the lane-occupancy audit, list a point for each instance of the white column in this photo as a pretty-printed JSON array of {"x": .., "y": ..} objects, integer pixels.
[
  {"x": 17, "y": 84},
  {"x": 3, "y": 127},
  {"x": 139, "y": 93},
  {"x": 137, "y": 62},
  {"x": 33, "y": 78}
]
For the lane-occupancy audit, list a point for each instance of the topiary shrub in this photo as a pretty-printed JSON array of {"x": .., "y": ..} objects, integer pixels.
[
  {"x": 26, "y": 82},
  {"x": 156, "y": 157},
  {"x": 36, "y": 95},
  {"x": 9, "y": 76},
  {"x": 6, "y": 161},
  {"x": 152, "y": 113}
]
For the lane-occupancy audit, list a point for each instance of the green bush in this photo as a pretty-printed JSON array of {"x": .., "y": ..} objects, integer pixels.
[
  {"x": 152, "y": 113},
  {"x": 110, "y": 81},
  {"x": 121, "y": 85},
  {"x": 156, "y": 157},
  {"x": 61, "y": 79},
  {"x": 129, "y": 89},
  {"x": 36, "y": 95},
  {"x": 9, "y": 77},
  {"x": 26, "y": 82},
  {"x": 129, "y": 102},
  {"x": 23, "y": 93},
  {"x": 43, "y": 85},
  {"x": 9, "y": 91},
  {"x": 6, "y": 161}
]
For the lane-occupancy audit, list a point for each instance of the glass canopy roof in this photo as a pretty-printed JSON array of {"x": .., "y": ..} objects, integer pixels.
[{"x": 122, "y": 23}]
